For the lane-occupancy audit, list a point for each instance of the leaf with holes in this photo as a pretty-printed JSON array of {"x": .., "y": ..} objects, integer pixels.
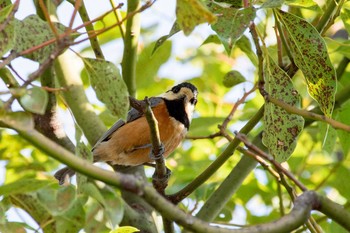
[
  {"x": 231, "y": 23},
  {"x": 309, "y": 52},
  {"x": 110, "y": 88},
  {"x": 190, "y": 13},
  {"x": 35, "y": 100},
  {"x": 281, "y": 128}
]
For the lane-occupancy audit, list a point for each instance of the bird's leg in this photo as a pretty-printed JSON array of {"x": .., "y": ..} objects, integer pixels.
[
  {"x": 159, "y": 155},
  {"x": 162, "y": 173}
]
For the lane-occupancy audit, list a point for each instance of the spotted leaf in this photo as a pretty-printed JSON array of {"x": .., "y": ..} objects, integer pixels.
[
  {"x": 110, "y": 88},
  {"x": 309, "y": 52},
  {"x": 231, "y": 23},
  {"x": 281, "y": 128},
  {"x": 190, "y": 13}
]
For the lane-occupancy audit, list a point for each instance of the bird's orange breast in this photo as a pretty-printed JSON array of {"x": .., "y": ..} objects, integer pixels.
[{"x": 131, "y": 145}]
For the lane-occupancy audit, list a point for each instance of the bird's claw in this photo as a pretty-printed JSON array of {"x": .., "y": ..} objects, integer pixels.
[{"x": 160, "y": 154}]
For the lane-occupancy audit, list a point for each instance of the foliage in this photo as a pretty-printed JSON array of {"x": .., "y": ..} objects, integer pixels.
[{"x": 273, "y": 70}]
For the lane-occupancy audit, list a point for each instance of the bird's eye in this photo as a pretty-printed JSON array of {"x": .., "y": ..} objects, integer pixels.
[{"x": 193, "y": 101}]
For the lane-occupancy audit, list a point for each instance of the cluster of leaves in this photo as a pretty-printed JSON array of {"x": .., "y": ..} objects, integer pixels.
[{"x": 314, "y": 152}]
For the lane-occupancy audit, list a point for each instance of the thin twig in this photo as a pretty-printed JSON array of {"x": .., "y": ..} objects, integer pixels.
[
  {"x": 269, "y": 158},
  {"x": 159, "y": 178},
  {"x": 118, "y": 19},
  {"x": 76, "y": 8},
  {"x": 306, "y": 114},
  {"x": 223, "y": 128},
  {"x": 48, "y": 18}
]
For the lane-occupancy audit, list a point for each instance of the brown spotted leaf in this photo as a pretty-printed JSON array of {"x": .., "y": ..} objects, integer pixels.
[
  {"x": 33, "y": 31},
  {"x": 310, "y": 54},
  {"x": 231, "y": 23},
  {"x": 190, "y": 13},
  {"x": 110, "y": 88},
  {"x": 281, "y": 128}
]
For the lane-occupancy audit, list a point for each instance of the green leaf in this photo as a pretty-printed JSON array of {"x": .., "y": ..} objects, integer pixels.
[
  {"x": 342, "y": 115},
  {"x": 231, "y": 24},
  {"x": 65, "y": 207},
  {"x": 328, "y": 136},
  {"x": 108, "y": 21},
  {"x": 175, "y": 29},
  {"x": 148, "y": 64},
  {"x": 244, "y": 44},
  {"x": 7, "y": 35},
  {"x": 203, "y": 126},
  {"x": 339, "y": 179},
  {"x": 57, "y": 200},
  {"x": 190, "y": 13},
  {"x": 345, "y": 15},
  {"x": 272, "y": 3},
  {"x": 14, "y": 227},
  {"x": 71, "y": 220},
  {"x": 310, "y": 55},
  {"x": 281, "y": 128},
  {"x": 23, "y": 186},
  {"x": 35, "y": 100},
  {"x": 92, "y": 191},
  {"x": 233, "y": 78},
  {"x": 212, "y": 39},
  {"x": 341, "y": 47},
  {"x": 17, "y": 120},
  {"x": 308, "y": 4},
  {"x": 33, "y": 31},
  {"x": 82, "y": 151},
  {"x": 65, "y": 197},
  {"x": 110, "y": 88},
  {"x": 113, "y": 206}
]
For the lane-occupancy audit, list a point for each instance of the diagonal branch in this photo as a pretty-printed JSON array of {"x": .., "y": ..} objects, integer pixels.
[{"x": 300, "y": 212}]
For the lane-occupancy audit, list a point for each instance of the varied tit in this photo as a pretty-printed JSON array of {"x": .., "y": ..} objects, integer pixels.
[{"x": 128, "y": 143}]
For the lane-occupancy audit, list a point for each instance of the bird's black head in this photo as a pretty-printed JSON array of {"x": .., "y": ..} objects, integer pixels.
[
  {"x": 178, "y": 87},
  {"x": 180, "y": 101}
]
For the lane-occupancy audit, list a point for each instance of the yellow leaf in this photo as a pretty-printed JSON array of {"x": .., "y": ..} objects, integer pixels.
[{"x": 126, "y": 229}]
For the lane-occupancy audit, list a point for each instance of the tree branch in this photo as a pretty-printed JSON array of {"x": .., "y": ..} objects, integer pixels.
[
  {"x": 76, "y": 99},
  {"x": 213, "y": 167},
  {"x": 301, "y": 210}
]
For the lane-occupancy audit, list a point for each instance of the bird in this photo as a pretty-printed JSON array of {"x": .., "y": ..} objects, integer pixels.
[{"x": 128, "y": 142}]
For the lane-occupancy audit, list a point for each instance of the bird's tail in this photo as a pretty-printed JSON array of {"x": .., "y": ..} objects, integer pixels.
[{"x": 61, "y": 174}]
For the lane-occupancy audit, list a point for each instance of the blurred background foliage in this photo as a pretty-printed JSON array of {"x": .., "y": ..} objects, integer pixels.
[{"x": 320, "y": 160}]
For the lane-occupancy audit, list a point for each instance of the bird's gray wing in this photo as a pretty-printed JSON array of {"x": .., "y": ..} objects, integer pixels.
[{"x": 133, "y": 114}]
